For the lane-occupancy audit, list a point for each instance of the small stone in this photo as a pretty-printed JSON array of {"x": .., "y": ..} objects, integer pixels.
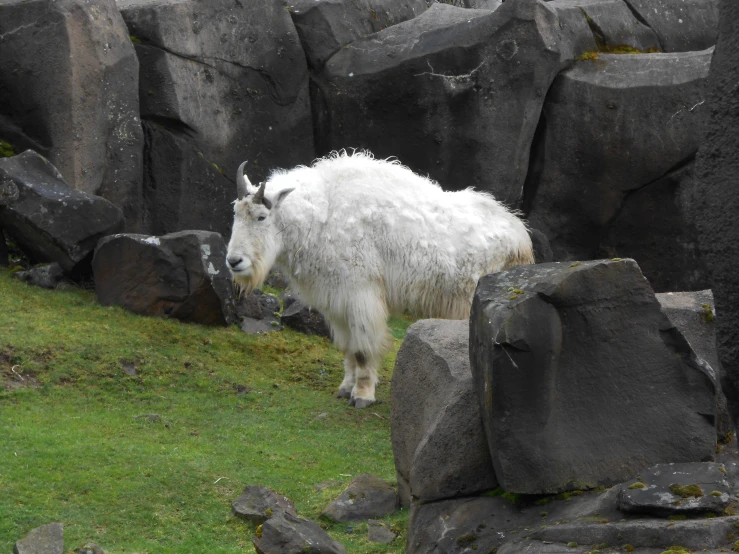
[
  {"x": 378, "y": 532},
  {"x": 47, "y": 539},
  {"x": 366, "y": 497}
]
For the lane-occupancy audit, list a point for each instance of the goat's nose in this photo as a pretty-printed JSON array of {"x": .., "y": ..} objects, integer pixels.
[{"x": 233, "y": 261}]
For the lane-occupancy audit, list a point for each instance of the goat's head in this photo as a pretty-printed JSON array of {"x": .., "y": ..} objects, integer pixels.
[{"x": 255, "y": 237}]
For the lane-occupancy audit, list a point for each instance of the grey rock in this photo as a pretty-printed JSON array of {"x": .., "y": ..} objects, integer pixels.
[
  {"x": 692, "y": 534},
  {"x": 325, "y": 26},
  {"x": 575, "y": 399},
  {"x": 181, "y": 275},
  {"x": 379, "y": 532},
  {"x": 182, "y": 188},
  {"x": 48, "y": 276},
  {"x": 258, "y": 312},
  {"x": 366, "y": 497},
  {"x": 277, "y": 280},
  {"x": 221, "y": 82},
  {"x": 716, "y": 201},
  {"x": 129, "y": 367},
  {"x": 694, "y": 315},
  {"x": 438, "y": 441},
  {"x": 444, "y": 90},
  {"x": 303, "y": 318},
  {"x": 485, "y": 523},
  {"x": 681, "y": 25},
  {"x": 610, "y": 24},
  {"x": 287, "y": 534},
  {"x": 542, "y": 249},
  {"x": 51, "y": 221},
  {"x": 68, "y": 88},
  {"x": 47, "y": 539},
  {"x": 614, "y": 161},
  {"x": 257, "y": 504},
  {"x": 675, "y": 489}
]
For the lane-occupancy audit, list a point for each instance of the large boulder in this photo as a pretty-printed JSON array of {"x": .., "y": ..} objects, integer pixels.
[
  {"x": 582, "y": 379},
  {"x": 181, "y": 275},
  {"x": 325, "y": 26},
  {"x": 69, "y": 90},
  {"x": 619, "y": 135},
  {"x": 48, "y": 219},
  {"x": 681, "y": 25},
  {"x": 716, "y": 201},
  {"x": 438, "y": 441},
  {"x": 453, "y": 88},
  {"x": 221, "y": 82}
]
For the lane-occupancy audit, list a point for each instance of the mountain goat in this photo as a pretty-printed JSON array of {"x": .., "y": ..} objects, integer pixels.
[{"x": 363, "y": 238}]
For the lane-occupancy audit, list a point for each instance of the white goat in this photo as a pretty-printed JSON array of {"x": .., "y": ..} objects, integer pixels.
[{"x": 362, "y": 238}]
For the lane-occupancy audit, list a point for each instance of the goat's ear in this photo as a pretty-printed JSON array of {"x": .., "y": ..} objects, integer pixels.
[{"x": 281, "y": 196}]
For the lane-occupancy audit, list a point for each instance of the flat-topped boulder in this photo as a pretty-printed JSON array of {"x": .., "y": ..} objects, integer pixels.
[
  {"x": 577, "y": 371},
  {"x": 181, "y": 275}
]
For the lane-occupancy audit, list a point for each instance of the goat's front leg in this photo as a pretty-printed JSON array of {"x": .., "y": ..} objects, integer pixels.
[{"x": 363, "y": 393}]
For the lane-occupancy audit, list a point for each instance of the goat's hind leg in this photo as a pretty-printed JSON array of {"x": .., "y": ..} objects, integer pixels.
[{"x": 368, "y": 342}]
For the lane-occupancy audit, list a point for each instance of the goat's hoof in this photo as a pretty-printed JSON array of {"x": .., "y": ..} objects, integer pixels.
[
  {"x": 360, "y": 403},
  {"x": 352, "y": 401},
  {"x": 344, "y": 394}
]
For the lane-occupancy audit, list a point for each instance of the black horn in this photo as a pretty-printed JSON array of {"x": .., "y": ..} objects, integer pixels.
[
  {"x": 259, "y": 196},
  {"x": 241, "y": 182}
]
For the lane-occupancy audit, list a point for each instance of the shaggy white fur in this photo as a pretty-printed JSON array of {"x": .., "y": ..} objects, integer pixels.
[{"x": 362, "y": 238}]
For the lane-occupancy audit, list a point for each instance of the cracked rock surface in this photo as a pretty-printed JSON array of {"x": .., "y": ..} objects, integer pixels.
[{"x": 619, "y": 183}]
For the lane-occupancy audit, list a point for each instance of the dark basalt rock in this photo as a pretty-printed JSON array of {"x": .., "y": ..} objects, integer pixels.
[
  {"x": 618, "y": 182},
  {"x": 305, "y": 319},
  {"x": 681, "y": 25},
  {"x": 289, "y": 534},
  {"x": 49, "y": 220},
  {"x": 69, "y": 90},
  {"x": 716, "y": 199},
  {"x": 182, "y": 275},
  {"x": 577, "y": 371},
  {"x": 221, "y": 82},
  {"x": 675, "y": 489},
  {"x": 46, "y": 276},
  {"x": 257, "y": 504},
  {"x": 444, "y": 90},
  {"x": 438, "y": 441},
  {"x": 325, "y": 26},
  {"x": 366, "y": 497}
]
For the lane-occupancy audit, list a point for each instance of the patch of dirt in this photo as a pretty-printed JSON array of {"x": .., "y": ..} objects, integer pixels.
[{"x": 14, "y": 376}]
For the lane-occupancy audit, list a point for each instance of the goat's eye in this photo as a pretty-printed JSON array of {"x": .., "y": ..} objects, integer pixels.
[{"x": 261, "y": 218}]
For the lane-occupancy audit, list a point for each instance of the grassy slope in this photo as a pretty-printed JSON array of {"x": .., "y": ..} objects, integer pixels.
[{"x": 233, "y": 410}]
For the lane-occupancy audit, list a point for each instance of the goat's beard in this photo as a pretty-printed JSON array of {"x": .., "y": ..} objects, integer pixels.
[{"x": 248, "y": 284}]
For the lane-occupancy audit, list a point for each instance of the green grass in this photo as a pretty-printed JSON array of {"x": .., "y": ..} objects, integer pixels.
[{"x": 77, "y": 445}]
